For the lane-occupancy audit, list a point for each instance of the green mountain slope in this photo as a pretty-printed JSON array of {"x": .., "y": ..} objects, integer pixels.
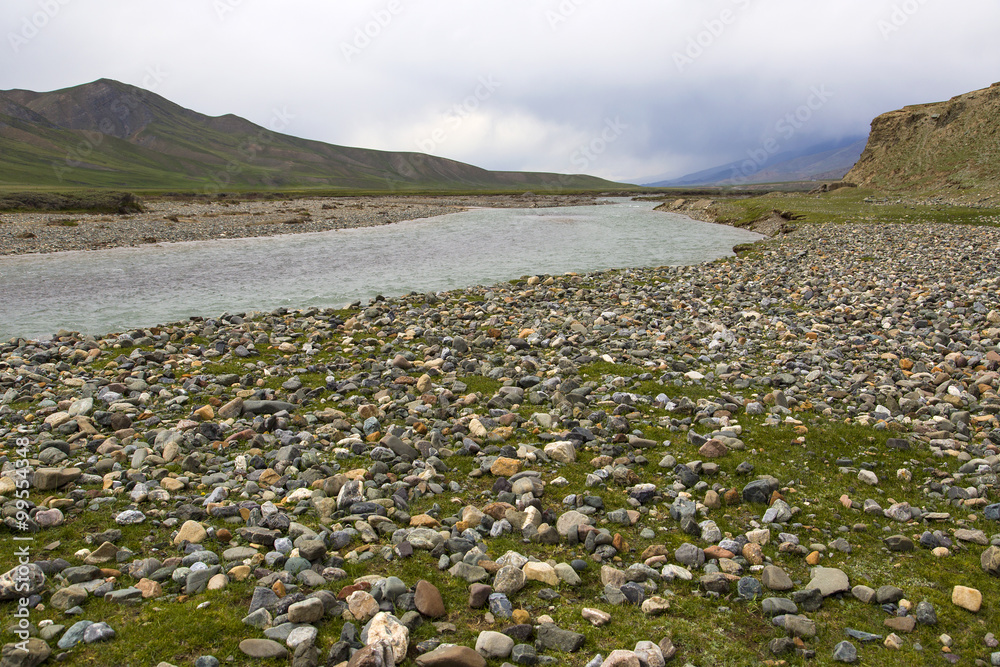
[{"x": 109, "y": 134}]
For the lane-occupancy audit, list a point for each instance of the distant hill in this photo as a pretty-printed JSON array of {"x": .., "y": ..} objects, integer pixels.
[
  {"x": 821, "y": 162},
  {"x": 109, "y": 134},
  {"x": 953, "y": 144}
]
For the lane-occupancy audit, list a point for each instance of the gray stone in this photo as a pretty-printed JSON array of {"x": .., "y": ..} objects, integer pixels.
[
  {"x": 925, "y": 613},
  {"x": 886, "y": 594},
  {"x": 98, "y": 632},
  {"x": 309, "y": 610},
  {"x": 509, "y": 580},
  {"x": 715, "y": 582},
  {"x": 748, "y": 588},
  {"x": 778, "y": 607},
  {"x": 31, "y": 653},
  {"x": 845, "y": 652},
  {"x": 68, "y": 597},
  {"x": 759, "y": 491},
  {"x": 800, "y": 626},
  {"x": 74, "y": 635},
  {"x": 263, "y": 598},
  {"x": 47, "y": 479},
  {"x": 500, "y": 606},
  {"x": 451, "y": 656},
  {"x": 829, "y": 581},
  {"x": 263, "y": 649},
  {"x": 899, "y": 543},
  {"x": 494, "y": 645},
  {"x": 21, "y": 581},
  {"x": 552, "y": 638},
  {"x": 689, "y": 555},
  {"x": 124, "y": 596},
  {"x": 990, "y": 561},
  {"x": 776, "y": 579},
  {"x": 473, "y": 574},
  {"x": 863, "y": 593},
  {"x": 197, "y": 580},
  {"x": 866, "y": 637}
]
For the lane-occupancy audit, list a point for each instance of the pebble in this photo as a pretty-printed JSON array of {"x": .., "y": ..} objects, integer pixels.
[
  {"x": 845, "y": 652},
  {"x": 279, "y": 488},
  {"x": 967, "y": 598}
]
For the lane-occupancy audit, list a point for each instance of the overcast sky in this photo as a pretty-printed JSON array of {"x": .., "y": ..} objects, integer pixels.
[{"x": 623, "y": 90}]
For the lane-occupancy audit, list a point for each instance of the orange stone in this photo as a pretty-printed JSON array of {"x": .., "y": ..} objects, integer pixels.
[
  {"x": 497, "y": 510},
  {"x": 149, "y": 588},
  {"x": 813, "y": 558},
  {"x": 269, "y": 477},
  {"x": 204, "y": 413},
  {"x": 505, "y": 467},
  {"x": 717, "y": 552},
  {"x": 520, "y": 616},
  {"x": 753, "y": 553},
  {"x": 424, "y": 521},
  {"x": 654, "y": 550}
]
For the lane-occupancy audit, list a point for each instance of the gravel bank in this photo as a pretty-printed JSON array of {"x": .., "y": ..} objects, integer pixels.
[
  {"x": 795, "y": 451},
  {"x": 166, "y": 221}
]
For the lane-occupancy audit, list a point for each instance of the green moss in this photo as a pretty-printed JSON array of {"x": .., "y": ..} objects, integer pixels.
[{"x": 480, "y": 384}]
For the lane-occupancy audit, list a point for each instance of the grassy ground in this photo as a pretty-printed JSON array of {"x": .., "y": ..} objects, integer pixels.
[
  {"x": 707, "y": 631},
  {"x": 851, "y": 205}
]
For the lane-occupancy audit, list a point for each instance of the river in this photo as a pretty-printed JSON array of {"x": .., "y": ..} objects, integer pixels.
[{"x": 124, "y": 288}]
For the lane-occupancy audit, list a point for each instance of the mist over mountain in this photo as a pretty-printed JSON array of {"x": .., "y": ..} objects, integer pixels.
[{"x": 819, "y": 162}]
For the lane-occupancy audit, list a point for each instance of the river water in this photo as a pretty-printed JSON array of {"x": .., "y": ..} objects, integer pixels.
[{"x": 123, "y": 288}]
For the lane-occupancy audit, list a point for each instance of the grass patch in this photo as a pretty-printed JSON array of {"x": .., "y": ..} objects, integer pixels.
[
  {"x": 850, "y": 205},
  {"x": 121, "y": 203}
]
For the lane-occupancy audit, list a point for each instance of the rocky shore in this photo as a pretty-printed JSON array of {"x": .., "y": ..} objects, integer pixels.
[
  {"x": 786, "y": 457},
  {"x": 169, "y": 220}
]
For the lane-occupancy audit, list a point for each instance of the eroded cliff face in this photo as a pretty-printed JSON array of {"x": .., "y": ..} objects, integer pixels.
[{"x": 944, "y": 145}]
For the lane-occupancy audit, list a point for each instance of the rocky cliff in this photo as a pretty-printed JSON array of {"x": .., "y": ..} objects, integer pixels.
[{"x": 944, "y": 145}]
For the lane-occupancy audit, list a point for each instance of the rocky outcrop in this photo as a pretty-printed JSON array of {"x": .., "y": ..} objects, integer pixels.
[{"x": 951, "y": 145}]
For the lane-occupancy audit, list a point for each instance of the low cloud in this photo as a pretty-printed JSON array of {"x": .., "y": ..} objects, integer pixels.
[{"x": 693, "y": 85}]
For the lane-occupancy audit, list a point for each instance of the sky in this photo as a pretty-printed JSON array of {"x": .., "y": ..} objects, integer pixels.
[{"x": 630, "y": 90}]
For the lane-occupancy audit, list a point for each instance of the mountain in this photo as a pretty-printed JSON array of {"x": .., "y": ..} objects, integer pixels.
[
  {"x": 951, "y": 144},
  {"x": 109, "y": 134},
  {"x": 821, "y": 162}
]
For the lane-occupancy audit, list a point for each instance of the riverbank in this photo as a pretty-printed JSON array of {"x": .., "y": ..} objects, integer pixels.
[
  {"x": 170, "y": 220},
  {"x": 791, "y": 455}
]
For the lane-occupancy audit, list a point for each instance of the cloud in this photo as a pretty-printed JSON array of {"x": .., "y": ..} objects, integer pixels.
[{"x": 693, "y": 84}]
